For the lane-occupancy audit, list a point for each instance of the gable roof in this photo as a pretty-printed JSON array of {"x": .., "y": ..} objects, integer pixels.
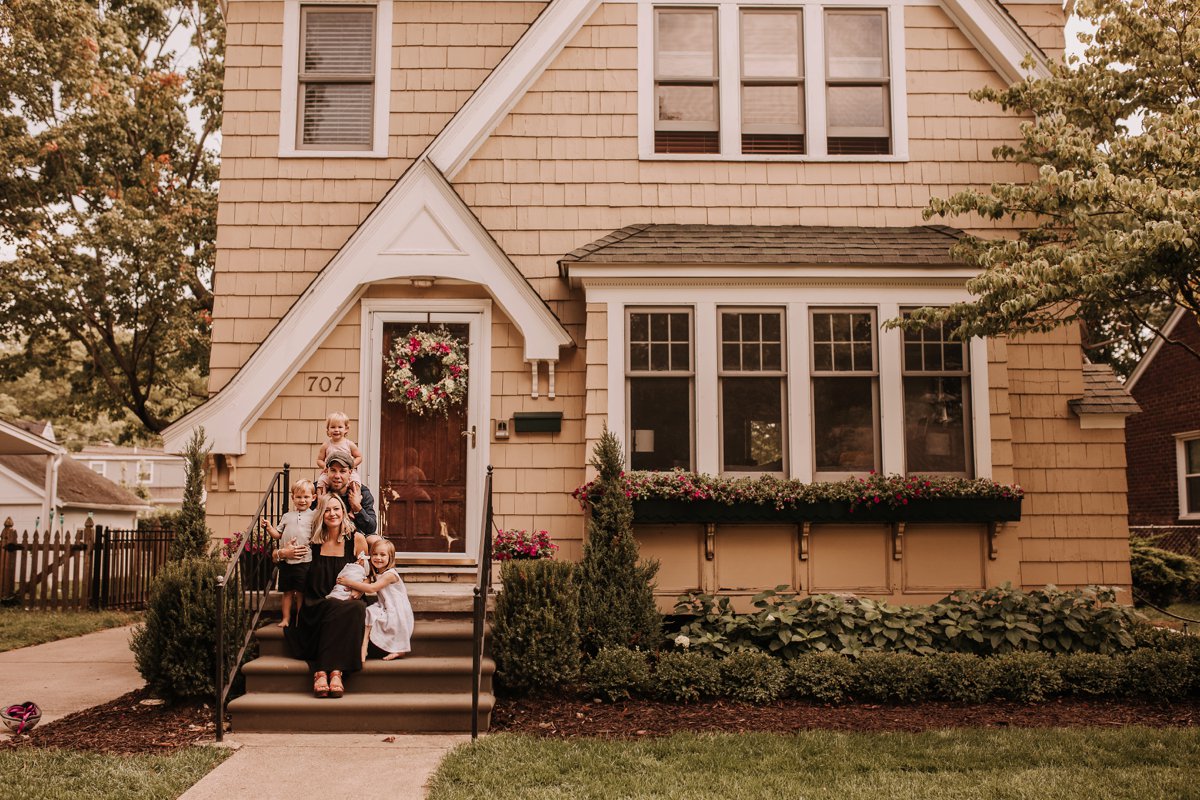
[
  {"x": 20, "y": 437},
  {"x": 78, "y": 486},
  {"x": 768, "y": 244},
  {"x": 1176, "y": 316},
  {"x": 1103, "y": 393}
]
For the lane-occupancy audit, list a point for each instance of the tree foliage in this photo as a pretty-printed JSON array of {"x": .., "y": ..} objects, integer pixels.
[
  {"x": 616, "y": 591},
  {"x": 108, "y": 114},
  {"x": 1114, "y": 234}
]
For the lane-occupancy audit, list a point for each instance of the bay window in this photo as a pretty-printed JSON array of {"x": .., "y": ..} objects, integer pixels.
[
  {"x": 752, "y": 380},
  {"x": 937, "y": 431},
  {"x": 659, "y": 377}
]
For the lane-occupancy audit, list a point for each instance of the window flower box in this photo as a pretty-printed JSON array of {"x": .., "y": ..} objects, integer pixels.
[{"x": 942, "y": 510}]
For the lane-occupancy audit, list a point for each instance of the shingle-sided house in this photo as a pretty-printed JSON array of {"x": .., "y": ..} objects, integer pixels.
[{"x": 684, "y": 220}]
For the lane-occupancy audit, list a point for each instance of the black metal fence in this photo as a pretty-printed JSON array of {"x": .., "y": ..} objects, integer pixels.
[{"x": 124, "y": 565}]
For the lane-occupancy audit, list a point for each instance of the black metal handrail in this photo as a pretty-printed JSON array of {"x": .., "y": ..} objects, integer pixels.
[
  {"x": 482, "y": 590},
  {"x": 242, "y": 591}
]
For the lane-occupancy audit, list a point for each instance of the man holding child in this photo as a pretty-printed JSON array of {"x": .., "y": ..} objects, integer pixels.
[{"x": 358, "y": 499}]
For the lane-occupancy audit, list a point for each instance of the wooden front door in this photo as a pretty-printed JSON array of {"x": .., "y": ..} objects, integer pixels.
[{"x": 422, "y": 466}]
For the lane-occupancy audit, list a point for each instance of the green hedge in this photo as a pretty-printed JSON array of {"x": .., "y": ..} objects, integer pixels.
[
  {"x": 536, "y": 627},
  {"x": 1161, "y": 577},
  {"x": 989, "y": 622}
]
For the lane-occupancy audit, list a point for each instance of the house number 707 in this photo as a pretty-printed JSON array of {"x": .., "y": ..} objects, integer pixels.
[{"x": 325, "y": 383}]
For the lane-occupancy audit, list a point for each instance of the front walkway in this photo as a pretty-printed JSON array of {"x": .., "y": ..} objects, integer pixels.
[
  {"x": 71, "y": 674},
  {"x": 284, "y": 766}
]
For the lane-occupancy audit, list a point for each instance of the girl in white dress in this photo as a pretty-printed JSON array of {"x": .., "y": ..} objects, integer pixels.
[{"x": 390, "y": 620}]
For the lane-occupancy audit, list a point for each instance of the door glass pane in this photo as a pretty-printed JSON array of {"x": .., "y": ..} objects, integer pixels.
[
  {"x": 771, "y": 105},
  {"x": 686, "y": 44},
  {"x": 660, "y": 423},
  {"x": 844, "y": 428},
  {"x": 771, "y": 45},
  {"x": 935, "y": 428},
  {"x": 856, "y": 44},
  {"x": 858, "y": 107},
  {"x": 752, "y": 425},
  {"x": 683, "y": 103}
]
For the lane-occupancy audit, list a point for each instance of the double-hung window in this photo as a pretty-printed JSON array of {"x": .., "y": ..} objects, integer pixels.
[
  {"x": 845, "y": 392},
  {"x": 752, "y": 390},
  {"x": 1189, "y": 477},
  {"x": 937, "y": 391},
  {"x": 659, "y": 372},
  {"x": 686, "y": 99},
  {"x": 857, "y": 92},
  {"x": 336, "y": 78},
  {"x": 772, "y": 81}
]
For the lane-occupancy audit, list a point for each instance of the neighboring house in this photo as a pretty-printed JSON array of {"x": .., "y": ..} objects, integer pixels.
[
  {"x": 156, "y": 472},
  {"x": 80, "y": 494},
  {"x": 686, "y": 221},
  {"x": 1163, "y": 442}
]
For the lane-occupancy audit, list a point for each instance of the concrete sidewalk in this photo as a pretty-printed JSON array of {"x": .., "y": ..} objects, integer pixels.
[
  {"x": 284, "y": 766},
  {"x": 71, "y": 674}
]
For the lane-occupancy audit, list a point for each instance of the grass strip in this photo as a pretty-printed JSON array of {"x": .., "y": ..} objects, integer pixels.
[
  {"x": 34, "y": 774},
  {"x": 1042, "y": 764},
  {"x": 22, "y": 628}
]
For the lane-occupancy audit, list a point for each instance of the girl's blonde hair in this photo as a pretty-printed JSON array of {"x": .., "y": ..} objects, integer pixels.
[
  {"x": 347, "y": 529},
  {"x": 391, "y": 551},
  {"x": 337, "y": 417}
]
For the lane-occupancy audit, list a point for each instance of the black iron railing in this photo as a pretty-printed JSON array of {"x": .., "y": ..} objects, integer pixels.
[
  {"x": 243, "y": 590},
  {"x": 482, "y": 590},
  {"x": 124, "y": 563}
]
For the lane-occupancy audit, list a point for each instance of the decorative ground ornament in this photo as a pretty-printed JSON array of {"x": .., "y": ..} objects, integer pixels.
[{"x": 427, "y": 372}]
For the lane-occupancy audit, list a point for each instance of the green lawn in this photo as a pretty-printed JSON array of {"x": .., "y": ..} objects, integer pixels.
[
  {"x": 32, "y": 774},
  {"x": 21, "y": 628},
  {"x": 1135, "y": 763}
]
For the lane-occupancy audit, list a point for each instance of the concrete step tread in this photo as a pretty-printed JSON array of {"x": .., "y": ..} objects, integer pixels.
[
  {"x": 412, "y": 665},
  {"x": 377, "y": 703},
  {"x": 424, "y": 629}
]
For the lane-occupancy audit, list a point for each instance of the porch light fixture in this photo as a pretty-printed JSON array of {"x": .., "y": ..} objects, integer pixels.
[{"x": 422, "y": 281}]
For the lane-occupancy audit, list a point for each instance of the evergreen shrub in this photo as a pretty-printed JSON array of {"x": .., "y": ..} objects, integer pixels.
[
  {"x": 1161, "y": 577},
  {"x": 535, "y": 627},
  {"x": 962, "y": 677},
  {"x": 192, "y": 535},
  {"x": 891, "y": 678},
  {"x": 617, "y": 673},
  {"x": 753, "y": 677},
  {"x": 1161, "y": 675},
  {"x": 1092, "y": 675},
  {"x": 823, "y": 677},
  {"x": 1027, "y": 677},
  {"x": 174, "y": 648},
  {"x": 685, "y": 677}
]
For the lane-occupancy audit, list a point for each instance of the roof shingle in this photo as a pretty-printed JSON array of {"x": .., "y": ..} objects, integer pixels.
[
  {"x": 1103, "y": 393},
  {"x": 77, "y": 485}
]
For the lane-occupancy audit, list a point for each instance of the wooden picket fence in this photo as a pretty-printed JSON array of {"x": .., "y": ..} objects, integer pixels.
[{"x": 94, "y": 567}]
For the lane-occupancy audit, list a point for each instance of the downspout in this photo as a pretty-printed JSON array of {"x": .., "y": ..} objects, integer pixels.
[{"x": 50, "y": 498}]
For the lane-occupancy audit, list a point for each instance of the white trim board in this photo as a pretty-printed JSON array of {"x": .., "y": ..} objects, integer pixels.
[
  {"x": 421, "y": 229},
  {"x": 1179, "y": 313}
]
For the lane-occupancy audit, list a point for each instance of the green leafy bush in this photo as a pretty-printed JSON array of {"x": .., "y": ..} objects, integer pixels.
[
  {"x": 1162, "y": 675},
  {"x": 685, "y": 677},
  {"x": 174, "y": 649},
  {"x": 617, "y": 673},
  {"x": 962, "y": 677},
  {"x": 891, "y": 678},
  {"x": 616, "y": 591},
  {"x": 536, "y": 627},
  {"x": 1161, "y": 577},
  {"x": 1027, "y": 677},
  {"x": 823, "y": 677},
  {"x": 1091, "y": 675},
  {"x": 753, "y": 677}
]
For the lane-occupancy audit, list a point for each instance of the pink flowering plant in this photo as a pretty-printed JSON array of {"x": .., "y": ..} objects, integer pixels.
[
  {"x": 515, "y": 545},
  {"x": 259, "y": 542},
  {"x": 427, "y": 372},
  {"x": 892, "y": 491}
]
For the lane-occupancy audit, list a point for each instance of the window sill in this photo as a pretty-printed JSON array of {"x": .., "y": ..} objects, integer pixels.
[
  {"x": 826, "y": 159},
  {"x": 956, "y": 509},
  {"x": 293, "y": 153}
]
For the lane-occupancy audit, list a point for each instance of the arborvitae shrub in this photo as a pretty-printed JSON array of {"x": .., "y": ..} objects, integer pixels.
[
  {"x": 685, "y": 677},
  {"x": 753, "y": 677},
  {"x": 536, "y": 627},
  {"x": 174, "y": 648},
  {"x": 616, "y": 591},
  {"x": 823, "y": 677},
  {"x": 1161, "y": 577},
  {"x": 1027, "y": 677},
  {"x": 891, "y": 678},
  {"x": 617, "y": 673},
  {"x": 192, "y": 536},
  {"x": 1091, "y": 675},
  {"x": 1162, "y": 675},
  {"x": 962, "y": 677}
]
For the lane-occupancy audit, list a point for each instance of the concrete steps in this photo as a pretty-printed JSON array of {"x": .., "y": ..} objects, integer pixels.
[
  {"x": 428, "y": 691},
  {"x": 428, "y": 598}
]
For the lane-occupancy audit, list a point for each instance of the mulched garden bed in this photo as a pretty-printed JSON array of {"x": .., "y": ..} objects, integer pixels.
[
  {"x": 133, "y": 723},
  {"x": 568, "y": 719}
]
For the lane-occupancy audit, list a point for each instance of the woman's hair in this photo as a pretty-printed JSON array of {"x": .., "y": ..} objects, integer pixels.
[
  {"x": 337, "y": 417},
  {"x": 391, "y": 551},
  {"x": 347, "y": 529}
]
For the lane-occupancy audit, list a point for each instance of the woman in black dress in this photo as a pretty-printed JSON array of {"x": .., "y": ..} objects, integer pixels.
[{"x": 328, "y": 634}]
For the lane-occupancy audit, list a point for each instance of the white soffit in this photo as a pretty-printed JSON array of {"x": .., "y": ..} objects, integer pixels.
[
  {"x": 998, "y": 37},
  {"x": 438, "y": 237}
]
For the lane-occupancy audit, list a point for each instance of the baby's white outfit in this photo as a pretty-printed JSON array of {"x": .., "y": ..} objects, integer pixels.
[
  {"x": 295, "y": 528},
  {"x": 355, "y": 572},
  {"x": 391, "y": 617},
  {"x": 344, "y": 449}
]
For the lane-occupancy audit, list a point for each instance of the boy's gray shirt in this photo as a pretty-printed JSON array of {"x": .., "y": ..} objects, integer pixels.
[{"x": 297, "y": 525}]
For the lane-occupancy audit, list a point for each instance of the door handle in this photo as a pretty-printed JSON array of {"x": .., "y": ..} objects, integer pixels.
[{"x": 470, "y": 433}]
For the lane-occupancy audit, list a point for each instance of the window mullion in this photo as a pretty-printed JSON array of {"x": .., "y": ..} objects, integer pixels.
[
  {"x": 816, "y": 141},
  {"x": 891, "y": 393},
  {"x": 708, "y": 445}
]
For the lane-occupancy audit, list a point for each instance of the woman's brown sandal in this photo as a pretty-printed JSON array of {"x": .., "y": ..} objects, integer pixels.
[
  {"x": 321, "y": 685},
  {"x": 335, "y": 684}
]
